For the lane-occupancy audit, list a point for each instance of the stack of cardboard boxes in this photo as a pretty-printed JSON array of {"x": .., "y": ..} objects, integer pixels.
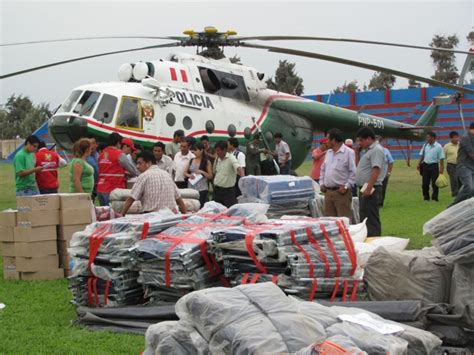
[
  {"x": 35, "y": 237},
  {"x": 29, "y": 239},
  {"x": 74, "y": 216}
]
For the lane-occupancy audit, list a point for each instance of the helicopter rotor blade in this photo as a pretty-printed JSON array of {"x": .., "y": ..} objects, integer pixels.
[
  {"x": 173, "y": 44},
  {"x": 90, "y": 38},
  {"x": 348, "y": 40},
  {"x": 360, "y": 65}
]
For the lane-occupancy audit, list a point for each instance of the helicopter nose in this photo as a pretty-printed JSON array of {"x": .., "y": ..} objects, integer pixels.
[{"x": 66, "y": 129}]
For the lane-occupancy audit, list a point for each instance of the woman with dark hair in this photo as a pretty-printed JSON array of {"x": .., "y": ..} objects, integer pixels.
[
  {"x": 199, "y": 172},
  {"x": 81, "y": 172}
]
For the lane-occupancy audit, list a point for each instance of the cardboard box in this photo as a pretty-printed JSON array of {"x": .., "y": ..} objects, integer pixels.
[
  {"x": 36, "y": 248},
  {"x": 38, "y": 202},
  {"x": 55, "y": 274},
  {"x": 34, "y": 234},
  {"x": 75, "y": 216},
  {"x": 75, "y": 201},
  {"x": 62, "y": 246},
  {"x": 64, "y": 261},
  {"x": 38, "y": 218},
  {"x": 6, "y": 234},
  {"x": 8, "y": 249},
  {"x": 49, "y": 262},
  {"x": 8, "y": 218},
  {"x": 65, "y": 232},
  {"x": 11, "y": 275}
]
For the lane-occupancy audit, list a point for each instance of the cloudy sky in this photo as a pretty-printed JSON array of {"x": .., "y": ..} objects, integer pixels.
[{"x": 412, "y": 22}]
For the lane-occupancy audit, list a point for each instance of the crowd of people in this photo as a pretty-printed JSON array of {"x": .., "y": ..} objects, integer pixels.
[{"x": 342, "y": 169}]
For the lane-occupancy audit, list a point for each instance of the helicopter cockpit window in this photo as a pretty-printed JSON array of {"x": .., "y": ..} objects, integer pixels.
[
  {"x": 70, "y": 101},
  {"x": 130, "y": 113},
  {"x": 106, "y": 109},
  {"x": 86, "y": 104},
  {"x": 224, "y": 84}
]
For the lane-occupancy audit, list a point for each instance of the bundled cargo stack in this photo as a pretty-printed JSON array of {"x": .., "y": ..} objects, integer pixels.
[
  {"x": 100, "y": 259},
  {"x": 76, "y": 213},
  {"x": 453, "y": 233},
  {"x": 284, "y": 193},
  {"x": 308, "y": 258},
  {"x": 176, "y": 261},
  {"x": 29, "y": 239},
  {"x": 119, "y": 196}
]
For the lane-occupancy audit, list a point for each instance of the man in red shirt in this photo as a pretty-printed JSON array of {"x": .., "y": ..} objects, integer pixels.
[
  {"x": 113, "y": 164},
  {"x": 47, "y": 178},
  {"x": 318, "y": 155}
]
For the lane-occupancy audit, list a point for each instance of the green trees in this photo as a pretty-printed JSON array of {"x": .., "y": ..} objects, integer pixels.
[
  {"x": 444, "y": 62},
  {"x": 286, "y": 79},
  {"x": 381, "y": 81},
  {"x": 19, "y": 117}
]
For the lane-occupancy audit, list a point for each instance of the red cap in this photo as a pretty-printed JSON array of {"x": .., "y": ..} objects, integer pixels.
[
  {"x": 129, "y": 142},
  {"x": 323, "y": 140}
]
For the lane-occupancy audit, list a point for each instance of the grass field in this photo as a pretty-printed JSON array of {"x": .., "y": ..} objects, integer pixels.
[{"x": 38, "y": 317}]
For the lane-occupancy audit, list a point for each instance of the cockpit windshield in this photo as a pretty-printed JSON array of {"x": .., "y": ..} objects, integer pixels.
[
  {"x": 86, "y": 104},
  {"x": 70, "y": 101},
  {"x": 106, "y": 109}
]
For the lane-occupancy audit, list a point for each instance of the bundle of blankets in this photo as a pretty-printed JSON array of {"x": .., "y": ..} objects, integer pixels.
[{"x": 260, "y": 318}]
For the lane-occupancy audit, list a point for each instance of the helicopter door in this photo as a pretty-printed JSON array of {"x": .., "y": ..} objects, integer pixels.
[{"x": 130, "y": 114}]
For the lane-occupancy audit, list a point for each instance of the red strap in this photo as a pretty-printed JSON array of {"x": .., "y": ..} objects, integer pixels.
[
  {"x": 255, "y": 278},
  {"x": 349, "y": 245},
  {"x": 312, "y": 293},
  {"x": 224, "y": 281},
  {"x": 168, "y": 264},
  {"x": 89, "y": 290},
  {"x": 275, "y": 279},
  {"x": 316, "y": 245},
  {"x": 344, "y": 290},
  {"x": 249, "y": 245},
  {"x": 244, "y": 278},
  {"x": 96, "y": 294},
  {"x": 106, "y": 292},
  {"x": 305, "y": 254},
  {"x": 146, "y": 228},
  {"x": 95, "y": 241},
  {"x": 354, "y": 291},
  {"x": 334, "y": 292},
  {"x": 331, "y": 247}
]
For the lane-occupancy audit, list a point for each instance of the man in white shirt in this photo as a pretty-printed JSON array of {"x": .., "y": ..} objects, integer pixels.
[
  {"x": 283, "y": 153},
  {"x": 163, "y": 161},
  {"x": 180, "y": 164},
  {"x": 233, "y": 145}
]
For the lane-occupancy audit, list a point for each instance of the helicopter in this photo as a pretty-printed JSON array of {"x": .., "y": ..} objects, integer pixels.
[{"x": 206, "y": 94}]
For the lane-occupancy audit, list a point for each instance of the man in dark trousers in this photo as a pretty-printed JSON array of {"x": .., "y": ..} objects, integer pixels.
[
  {"x": 430, "y": 165},
  {"x": 226, "y": 168},
  {"x": 369, "y": 179}
]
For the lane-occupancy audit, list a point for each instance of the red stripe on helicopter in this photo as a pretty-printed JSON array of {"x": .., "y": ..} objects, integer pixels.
[
  {"x": 174, "y": 77},
  {"x": 196, "y": 133},
  {"x": 184, "y": 76}
]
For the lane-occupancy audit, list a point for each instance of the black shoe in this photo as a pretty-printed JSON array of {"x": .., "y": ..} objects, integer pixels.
[
  {"x": 426, "y": 199},
  {"x": 435, "y": 200}
]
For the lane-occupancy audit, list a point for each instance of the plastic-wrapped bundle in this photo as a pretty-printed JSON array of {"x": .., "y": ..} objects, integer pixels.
[
  {"x": 453, "y": 232},
  {"x": 177, "y": 259},
  {"x": 249, "y": 319},
  {"x": 309, "y": 258},
  {"x": 117, "y": 206},
  {"x": 409, "y": 340},
  {"x": 462, "y": 293},
  {"x": 277, "y": 188},
  {"x": 336, "y": 344},
  {"x": 257, "y": 319},
  {"x": 101, "y": 270},
  {"x": 418, "y": 274}
]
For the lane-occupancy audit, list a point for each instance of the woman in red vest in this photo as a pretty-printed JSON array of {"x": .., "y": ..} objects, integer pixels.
[
  {"x": 47, "y": 178},
  {"x": 113, "y": 164}
]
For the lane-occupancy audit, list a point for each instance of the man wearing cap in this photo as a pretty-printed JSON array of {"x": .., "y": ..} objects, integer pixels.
[
  {"x": 318, "y": 155},
  {"x": 252, "y": 156},
  {"x": 337, "y": 176},
  {"x": 113, "y": 164},
  {"x": 128, "y": 148}
]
